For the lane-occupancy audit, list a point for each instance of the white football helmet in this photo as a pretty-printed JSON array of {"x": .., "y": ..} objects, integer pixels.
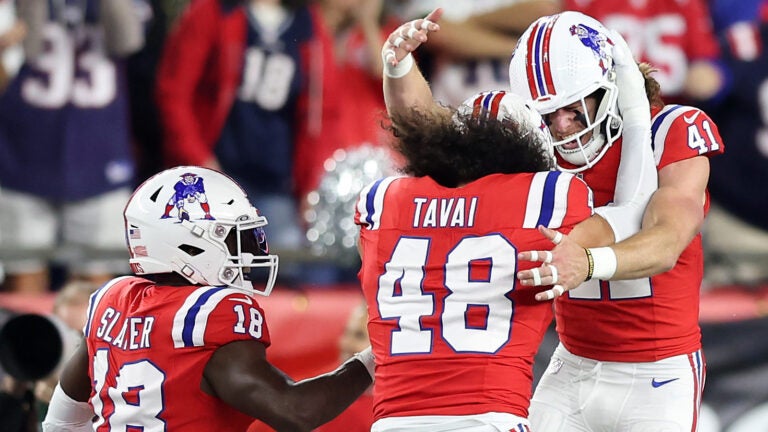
[
  {"x": 562, "y": 59},
  {"x": 198, "y": 223},
  {"x": 503, "y": 105}
]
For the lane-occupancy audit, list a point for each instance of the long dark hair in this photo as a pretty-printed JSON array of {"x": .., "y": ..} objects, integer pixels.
[{"x": 455, "y": 149}]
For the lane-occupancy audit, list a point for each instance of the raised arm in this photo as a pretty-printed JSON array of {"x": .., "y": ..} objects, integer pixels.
[
  {"x": 636, "y": 179},
  {"x": 404, "y": 85}
]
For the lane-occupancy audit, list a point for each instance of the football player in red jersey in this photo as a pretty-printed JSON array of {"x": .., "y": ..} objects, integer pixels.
[
  {"x": 630, "y": 357},
  {"x": 453, "y": 333},
  {"x": 182, "y": 345},
  {"x": 630, "y": 332}
]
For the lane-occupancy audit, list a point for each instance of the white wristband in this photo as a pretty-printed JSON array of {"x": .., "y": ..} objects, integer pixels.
[
  {"x": 366, "y": 358},
  {"x": 604, "y": 262},
  {"x": 403, "y": 67},
  {"x": 67, "y": 414}
]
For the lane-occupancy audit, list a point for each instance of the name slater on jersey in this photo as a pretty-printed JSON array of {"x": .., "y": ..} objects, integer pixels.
[
  {"x": 133, "y": 333},
  {"x": 444, "y": 212}
]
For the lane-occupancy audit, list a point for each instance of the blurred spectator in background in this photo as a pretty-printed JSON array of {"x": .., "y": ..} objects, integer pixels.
[
  {"x": 346, "y": 107},
  {"x": 17, "y": 408},
  {"x": 727, "y": 12},
  {"x": 71, "y": 304},
  {"x": 65, "y": 156},
  {"x": 736, "y": 232},
  {"x": 12, "y": 32},
  {"x": 141, "y": 70},
  {"x": 228, "y": 83},
  {"x": 341, "y": 114},
  {"x": 676, "y": 37},
  {"x": 471, "y": 51}
]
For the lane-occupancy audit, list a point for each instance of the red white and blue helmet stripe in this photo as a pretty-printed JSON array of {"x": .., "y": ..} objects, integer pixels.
[
  {"x": 486, "y": 105},
  {"x": 538, "y": 68}
]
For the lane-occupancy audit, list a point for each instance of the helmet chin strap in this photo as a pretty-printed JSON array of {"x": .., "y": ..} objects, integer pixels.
[
  {"x": 187, "y": 271},
  {"x": 583, "y": 153}
]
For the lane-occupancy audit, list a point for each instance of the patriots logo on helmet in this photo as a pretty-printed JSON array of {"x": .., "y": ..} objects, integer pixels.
[
  {"x": 188, "y": 190},
  {"x": 595, "y": 41}
]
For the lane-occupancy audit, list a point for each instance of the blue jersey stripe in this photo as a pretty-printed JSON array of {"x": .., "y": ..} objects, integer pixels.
[
  {"x": 95, "y": 298},
  {"x": 190, "y": 318},
  {"x": 369, "y": 202},
  {"x": 657, "y": 124},
  {"x": 91, "y": 308},
  {"x": 548, "y": 199}
]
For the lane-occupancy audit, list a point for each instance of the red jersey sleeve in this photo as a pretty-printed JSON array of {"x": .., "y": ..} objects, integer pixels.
[
  {"x": 681, "y": 132},
  {"x": 369, "y": 205},
  {"x": 214, "y": 316}
]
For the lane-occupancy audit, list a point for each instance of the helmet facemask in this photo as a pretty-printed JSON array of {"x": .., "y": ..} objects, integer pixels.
[
  {"x": 605, "y": 129},
  {"x": 249, "y": 259}
]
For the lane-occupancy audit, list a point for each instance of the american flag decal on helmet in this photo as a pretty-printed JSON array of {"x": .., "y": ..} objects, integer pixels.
[
  {"x": 134, "y": 233},
  {"x": 538, "y": 69}
]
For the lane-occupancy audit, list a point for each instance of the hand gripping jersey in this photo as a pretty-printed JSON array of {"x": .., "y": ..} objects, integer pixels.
[
  {"x": 452, "y": 332},
  {"x": 649, "y": 319},
  {"x": 148, "y": 346}
]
